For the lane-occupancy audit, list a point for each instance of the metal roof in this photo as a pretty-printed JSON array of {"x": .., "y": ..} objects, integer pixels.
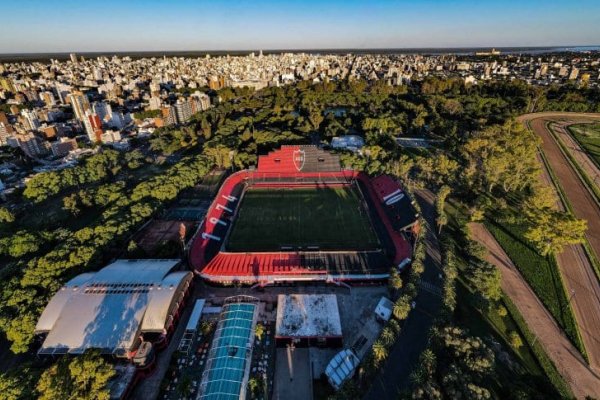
[
  {"x": 192, "y": 324},
  {"x": 108, "y": 310},
  {"x": 163, "y": 299},
  {"x": 58, "y": 301},
  {"x": 228, "y": 363}
]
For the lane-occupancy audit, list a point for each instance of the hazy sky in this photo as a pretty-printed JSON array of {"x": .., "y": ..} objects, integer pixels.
[{"x": 108, "y": 25}]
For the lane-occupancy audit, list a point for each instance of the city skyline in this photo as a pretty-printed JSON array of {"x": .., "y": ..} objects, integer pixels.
[{"x": 188, "y": 26}]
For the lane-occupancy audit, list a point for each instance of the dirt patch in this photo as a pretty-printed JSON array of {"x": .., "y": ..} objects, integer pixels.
[{"x": 160, "y": 233}]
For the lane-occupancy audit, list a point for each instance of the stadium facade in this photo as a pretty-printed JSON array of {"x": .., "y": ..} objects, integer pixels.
[{"x": 390, "y": 212}]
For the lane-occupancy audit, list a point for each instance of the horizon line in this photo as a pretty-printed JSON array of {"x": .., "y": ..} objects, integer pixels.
[{"x": 304, "y": 49}]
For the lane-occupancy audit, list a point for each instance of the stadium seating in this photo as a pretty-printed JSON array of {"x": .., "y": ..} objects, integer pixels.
[
  {"x": 397, "y": 205},
  {"x": 314, "y": 160}
]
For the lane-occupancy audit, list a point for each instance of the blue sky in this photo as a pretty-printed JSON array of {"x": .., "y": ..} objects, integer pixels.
[{"x": 109, "y": 25}]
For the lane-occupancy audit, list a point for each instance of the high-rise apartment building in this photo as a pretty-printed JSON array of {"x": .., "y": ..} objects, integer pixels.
[
  {"x": 31, "y": 119},
  {"x": 183, "y": 109},
  {"x": 80, "y": 104},
  {"x": 93, "y": 127}
]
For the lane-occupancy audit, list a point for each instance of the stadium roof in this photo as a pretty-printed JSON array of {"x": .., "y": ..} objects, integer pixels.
[
  {"x": 228, "y": 364},
  {"x": 107, "y": 310},
  {"x": 310, "y": 315}
]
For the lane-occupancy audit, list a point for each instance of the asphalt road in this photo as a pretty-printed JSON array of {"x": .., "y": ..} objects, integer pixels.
[
  {"x": 576, "y": 269},
  {"x": 394, "y": 376}
]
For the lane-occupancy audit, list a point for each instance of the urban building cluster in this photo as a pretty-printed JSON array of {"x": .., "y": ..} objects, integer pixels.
[{"x": 57, "y": 110}]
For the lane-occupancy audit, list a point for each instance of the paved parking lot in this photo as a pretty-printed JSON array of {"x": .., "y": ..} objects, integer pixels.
[{"x": 293, "y": 378}]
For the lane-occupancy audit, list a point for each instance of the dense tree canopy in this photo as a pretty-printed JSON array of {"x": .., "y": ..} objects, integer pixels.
[{"x": 80, "y": 378}]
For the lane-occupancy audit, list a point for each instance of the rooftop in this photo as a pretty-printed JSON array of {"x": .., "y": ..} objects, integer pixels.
[
  {"x": 301, "y": 316},
  {"x": 227, "y": 366},
  {"x": 108, "y": 310}
]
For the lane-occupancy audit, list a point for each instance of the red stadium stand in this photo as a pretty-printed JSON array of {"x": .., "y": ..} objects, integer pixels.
[
  {"x": 397, "y": 205},
  {"x": 294, "y": 167}
]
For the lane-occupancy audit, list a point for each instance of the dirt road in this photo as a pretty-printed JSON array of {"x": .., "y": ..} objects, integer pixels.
[
  {"x": 571, "y": 365},
  {"x": 576, "y": 269},
  {"x": 582, "y": 158}
]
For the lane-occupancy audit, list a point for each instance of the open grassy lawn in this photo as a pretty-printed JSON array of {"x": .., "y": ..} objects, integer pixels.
[
  {"x": 330, "y": 218},
  {"x": 541, "y": 273},
  {"x": 588, "y": 136}
]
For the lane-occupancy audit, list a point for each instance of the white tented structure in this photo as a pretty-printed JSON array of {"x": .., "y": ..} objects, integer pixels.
[
  {"x": 341, "y": 367},
  {"x": 111, "y": 309}
]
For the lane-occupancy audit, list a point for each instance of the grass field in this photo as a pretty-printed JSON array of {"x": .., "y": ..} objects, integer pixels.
[
  {"x": 330, "y": 218},
  {"x": 588, "y": 136}
]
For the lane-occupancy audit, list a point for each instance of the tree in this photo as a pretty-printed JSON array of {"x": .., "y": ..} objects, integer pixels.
[
  {"x": 22, "y": 243},
  {"x": 515, "y": 340},
  {"x": 380, "y": 352},
  {"x": 259, "y": 331},
  {"x": 55, "y": 382},
  {"x": 401, "y": 308},
  {"x": 551, "y": 230},
  {"x": 253, "y": 385},
  {"x": 437, "y": 169},
  {"x": 18, "y": 383},
  {"x": 6, "y": 215},
  {"x": 501, "y": 311},
  {"x": 315, "y": 116},
  {"x": 402, "y": 167},
  {"x": 501, "y": 156},
  {"x": 387, "y": 336},
  {"x": 441, "y": 221},
  {"x": 395, "y": 281},
  {"x": 71, "y": 204},
  {"x": 428, "y": 360},
  {"x": 84, "y": 377},
  {"x": 134, "y": 159},
  {"x": 440, "y": 199},
  {"x": 486, "y": 279}
]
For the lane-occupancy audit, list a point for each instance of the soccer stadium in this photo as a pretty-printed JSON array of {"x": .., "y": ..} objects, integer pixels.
[{"x": 299, "y": 216}]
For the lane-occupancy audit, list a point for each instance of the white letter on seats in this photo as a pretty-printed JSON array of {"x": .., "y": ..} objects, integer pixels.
[
  {"x": 221, "y": 207},
  {"x": 209, "y": 236},
  {"x": 215, "y": 221}
]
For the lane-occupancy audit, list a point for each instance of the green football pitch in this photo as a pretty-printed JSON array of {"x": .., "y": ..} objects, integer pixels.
[{"x": 276, "y": 219}]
